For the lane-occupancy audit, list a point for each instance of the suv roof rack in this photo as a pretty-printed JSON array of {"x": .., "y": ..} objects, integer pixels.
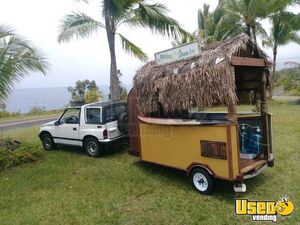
[{"x": 104, "y": 103}]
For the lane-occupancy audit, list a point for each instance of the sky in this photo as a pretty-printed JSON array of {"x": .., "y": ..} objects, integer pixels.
[{"x": 39, "y": 21}]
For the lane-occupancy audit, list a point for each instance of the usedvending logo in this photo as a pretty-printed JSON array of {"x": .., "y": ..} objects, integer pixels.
[{"x": 264, "y": 210}]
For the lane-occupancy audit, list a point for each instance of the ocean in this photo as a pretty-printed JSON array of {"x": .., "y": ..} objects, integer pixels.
[{"x": 23, "y": 100}]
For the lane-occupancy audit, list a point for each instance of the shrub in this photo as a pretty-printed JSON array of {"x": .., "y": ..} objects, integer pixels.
[
  {"x": 290, "y": 80},
  {"x": 14, "y": 153},
  {"x": 9, "y": 114},
  {"x": 36, "y": 111}
]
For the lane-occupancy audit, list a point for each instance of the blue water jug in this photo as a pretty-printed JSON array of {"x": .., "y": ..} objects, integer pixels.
[{"x": 255, "y": 141}]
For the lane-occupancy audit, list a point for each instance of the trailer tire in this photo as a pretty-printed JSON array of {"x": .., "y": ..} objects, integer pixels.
[{"x": 202, "y": 181}]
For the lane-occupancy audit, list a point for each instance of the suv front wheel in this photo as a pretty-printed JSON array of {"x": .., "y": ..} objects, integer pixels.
[
  {"x": 48, "y": 142},
  {"x": 92, "y": 147}
]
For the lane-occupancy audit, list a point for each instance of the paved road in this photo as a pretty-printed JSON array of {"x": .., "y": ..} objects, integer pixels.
[
  {"x": 278, "y": 95},
  {"x": 24, "y": 123},
  {"x": 291, "y": 99}
]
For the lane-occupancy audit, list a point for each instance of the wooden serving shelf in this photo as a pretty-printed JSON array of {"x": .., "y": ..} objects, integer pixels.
[{"x": 250, "y": 164}]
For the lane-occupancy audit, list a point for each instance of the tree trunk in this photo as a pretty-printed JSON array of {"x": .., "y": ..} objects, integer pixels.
[
  {"x": 114, "y": 79},
  {"x": 272, "y": 81},
  {"x": 248, "y": 30},
  {"x": 110, "y": 32},
  {"x": 254, "y": 34}
]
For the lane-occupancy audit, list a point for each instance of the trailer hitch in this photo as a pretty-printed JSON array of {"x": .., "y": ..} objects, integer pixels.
[{"x": 239, "y": 187}]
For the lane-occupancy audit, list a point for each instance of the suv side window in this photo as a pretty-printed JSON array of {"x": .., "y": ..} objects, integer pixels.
[
  {"x": 93, "y": 115},
  {"x": 70, "y": 116},
  {"x": 113, "y": 112}
]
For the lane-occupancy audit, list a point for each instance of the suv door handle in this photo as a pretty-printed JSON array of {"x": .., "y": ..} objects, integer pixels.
[{"x": 74, "y": 128}]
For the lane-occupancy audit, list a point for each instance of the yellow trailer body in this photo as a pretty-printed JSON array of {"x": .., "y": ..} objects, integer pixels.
[
  {"x": 180, "y": 147},
  {"x": 187, "y": 144}
]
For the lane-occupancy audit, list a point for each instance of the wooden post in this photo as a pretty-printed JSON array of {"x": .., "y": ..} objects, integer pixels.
[
  {"x": 133, "y": 123},
  {"x": 231, "y": 116},
  {"x": 232, "y": 112},
  {"x": 264, "y": 111},
  {"x": 263, "y": 93}
]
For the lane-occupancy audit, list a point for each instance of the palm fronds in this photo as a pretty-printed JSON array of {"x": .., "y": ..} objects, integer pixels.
[
  {"x": 18, "y": 57},
  {"x": 217, "y": 25},
  {"x": 154, "y": 17},
  {"x": 134, "y": 13},
  {"x": 132, "y": 49},
  {"x": 5, "y": 31},
  {"x": 79, "y": 25}
]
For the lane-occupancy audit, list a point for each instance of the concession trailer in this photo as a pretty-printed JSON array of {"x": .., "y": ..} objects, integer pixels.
[{"x": 169, "y": 123}]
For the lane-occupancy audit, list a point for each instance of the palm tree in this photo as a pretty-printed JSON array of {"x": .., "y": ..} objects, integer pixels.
[
  {"x": 184, "y": 39},
  {"x": 216, "y": 26},
  {"x": 133, "y": 13},
  {"x": 284, "y": 30},
  {"x": 248, "y": 12},
  {"x": 18, "y": 57},
  {"x": 212, "y": 27}
]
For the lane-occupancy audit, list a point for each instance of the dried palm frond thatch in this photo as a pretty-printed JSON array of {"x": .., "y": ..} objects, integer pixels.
[{"x": 203, "y": 81}]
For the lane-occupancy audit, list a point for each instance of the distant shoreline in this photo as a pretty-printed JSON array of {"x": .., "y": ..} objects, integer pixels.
[
  {"x": 104, "y": 85},
  {"x": 23, "y": 100}
]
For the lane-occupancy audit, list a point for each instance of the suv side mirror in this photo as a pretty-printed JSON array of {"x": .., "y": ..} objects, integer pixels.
[{"x": 56, "y": 123}]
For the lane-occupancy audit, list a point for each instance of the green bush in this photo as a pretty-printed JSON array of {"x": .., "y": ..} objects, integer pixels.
[
  {"x": 290, "y": 80},
  {"x": 4, "y": 114},
  {"x": 14, "y": 153},
  {"x": 36, "y": 111}
]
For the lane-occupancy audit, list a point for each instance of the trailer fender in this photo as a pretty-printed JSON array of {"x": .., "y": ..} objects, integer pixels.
[{"x": 197, "y": 165}]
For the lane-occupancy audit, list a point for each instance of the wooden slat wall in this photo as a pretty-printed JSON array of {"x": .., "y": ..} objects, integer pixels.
[
  {"x": 213, "y": 149},
  {"x": 245, "y": 61}
]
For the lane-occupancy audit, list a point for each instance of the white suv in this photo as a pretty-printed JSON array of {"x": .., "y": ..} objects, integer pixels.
[{"x": 91, "y": 126}]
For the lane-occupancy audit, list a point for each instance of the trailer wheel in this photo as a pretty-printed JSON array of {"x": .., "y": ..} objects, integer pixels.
[{"x": 202, "y": 181}]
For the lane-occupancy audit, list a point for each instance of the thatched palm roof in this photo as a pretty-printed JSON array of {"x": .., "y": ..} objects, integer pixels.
[{"x": 204, "y": 81}]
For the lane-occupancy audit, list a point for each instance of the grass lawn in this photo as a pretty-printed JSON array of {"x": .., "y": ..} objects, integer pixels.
[{"x": 68, "y": 187}]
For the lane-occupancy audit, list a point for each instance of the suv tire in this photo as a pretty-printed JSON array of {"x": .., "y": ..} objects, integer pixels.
[
  {"x": 48, "y": 142},
  {"x": 123, "y": 123},
  {"x": 92, "y": 147}
]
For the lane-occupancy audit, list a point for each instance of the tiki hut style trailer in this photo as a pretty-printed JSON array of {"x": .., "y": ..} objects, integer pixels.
[{"x": 231, "y": 146}]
